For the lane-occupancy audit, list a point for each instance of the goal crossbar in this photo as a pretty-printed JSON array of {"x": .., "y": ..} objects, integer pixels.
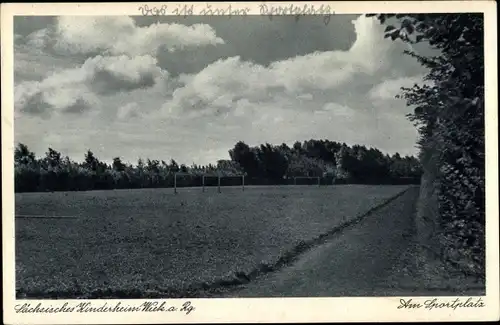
[{"x": 204, "y": 176}]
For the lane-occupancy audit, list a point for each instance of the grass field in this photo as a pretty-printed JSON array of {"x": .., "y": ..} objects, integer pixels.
[{"x": 138, "y": 243}]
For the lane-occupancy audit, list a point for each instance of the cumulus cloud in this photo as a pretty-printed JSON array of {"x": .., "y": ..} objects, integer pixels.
[
  {"x": 77, "y": 89},
  {"x": 121, "y": 73},
  {"x": 118, "y": 56},
  {"x": 39, "y": 39},
  {"x": 388, "y": 89},
  {"x": 319, "y": 70},
  {"x": 317, "y": 95},
  {"x": 42, "y": 99},
  {"x": 331, "y": 69},
  {"x": 18, "y": 38},
  {"x": 305, "y": 96},
  {"x": 116, "y": 35},
  {"x": 128, "y": 111},
  {"x": 338, "y": 110},
  {"x": 370, "y": 51},
  {"x": 217, "y": 88}
]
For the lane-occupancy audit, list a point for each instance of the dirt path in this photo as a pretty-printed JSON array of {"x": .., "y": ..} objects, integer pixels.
[{"x": 357, "y": 262}]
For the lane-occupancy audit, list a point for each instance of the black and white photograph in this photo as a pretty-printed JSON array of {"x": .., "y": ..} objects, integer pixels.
[{"x": 235, "y": 155}]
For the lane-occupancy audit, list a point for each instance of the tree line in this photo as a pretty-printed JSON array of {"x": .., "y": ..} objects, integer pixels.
[
  {"x": 264, "y": 164},
  {"x": 324, "y": 158}
]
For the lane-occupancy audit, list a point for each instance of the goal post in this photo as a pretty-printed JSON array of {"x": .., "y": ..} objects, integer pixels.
[
  {"x": 204, "y": 178},
  {"x": 182, "y": 174},
  {"x": 219, "y": 178}
]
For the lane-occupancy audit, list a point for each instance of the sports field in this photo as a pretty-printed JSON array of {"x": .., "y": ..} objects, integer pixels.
[{"x": 151, "y": 242}]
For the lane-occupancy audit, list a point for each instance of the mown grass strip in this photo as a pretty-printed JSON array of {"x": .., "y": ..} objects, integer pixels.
[{"x": 205, "y": 289}]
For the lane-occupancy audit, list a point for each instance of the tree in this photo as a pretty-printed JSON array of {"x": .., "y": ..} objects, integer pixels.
[
  {"x": 301, "y": 165},
  {"x": 449, "y": 114},
  {"x": 344, "y": 162},
  {"x": 118, "y": 165},
  {"x": 153, "y": 166},
  {"x": 174, "y": 167},
  {"x": 91, "y": 161},
  {"x": 246, "y": 158},
  {"x": 273, "y": 162},
  {"x": 23, "y": 156},
  {"x": 140, "y": 164},
  {"x": 26, "y": 169},
  {"x": 53, "y": 158},
  {"x": 297, "y": 146},
  {"x": 268, "y": 164}
]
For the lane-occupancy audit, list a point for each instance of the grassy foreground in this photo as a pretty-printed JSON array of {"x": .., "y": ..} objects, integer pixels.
[{"x": 150, "y": 242}]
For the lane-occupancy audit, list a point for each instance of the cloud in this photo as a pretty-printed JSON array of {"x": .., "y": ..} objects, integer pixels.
[
  {"x": 18, "y": 38},
  {"x": 321, "y": 94},
  {"x": 108, "y": 55},
  {"x": 116, "y": 35},
  {"x": 121, "y": 73},
  {"x": 319, "y": 70},
  {"x": 76, "y": 90},
  {"x": 39, "y": 39},
  {"x": 331, "y": 69},
  {"x": 201, "y": 115},
  {"x": 216, "y": 89},
  {"x": 43, "y": 99},
  {"x": 128, "y": 111},
  {"x": 338, "y": 110},
  {"x": 388, "y": 89},
  {"x": 305, "y": 96},
  {"x": 370, "y": 51}
]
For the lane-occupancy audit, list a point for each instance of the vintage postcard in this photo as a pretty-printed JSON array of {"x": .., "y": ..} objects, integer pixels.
[{"x": 218, "y": 162}]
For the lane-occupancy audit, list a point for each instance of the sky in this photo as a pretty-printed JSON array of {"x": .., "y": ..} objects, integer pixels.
[{"x": 190, "y": 88}]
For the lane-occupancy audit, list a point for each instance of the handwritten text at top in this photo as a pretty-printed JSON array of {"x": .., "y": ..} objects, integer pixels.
[{"x": 270, "y": 11}]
